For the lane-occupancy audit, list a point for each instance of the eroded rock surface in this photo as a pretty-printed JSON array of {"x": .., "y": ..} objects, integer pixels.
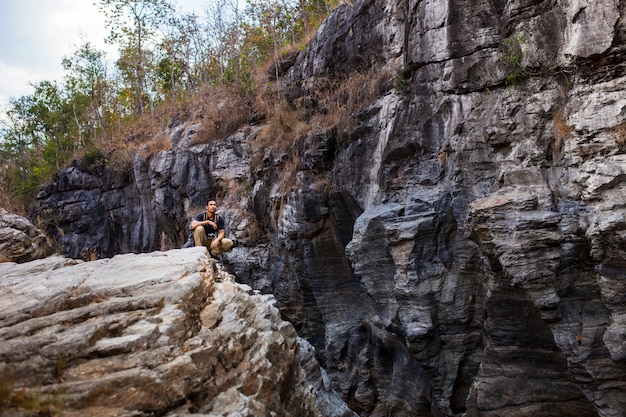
[
  {"x": 144, "y": 335},
  {"x": 20, "y": 240},
  {"x": 459, "y": 249}
]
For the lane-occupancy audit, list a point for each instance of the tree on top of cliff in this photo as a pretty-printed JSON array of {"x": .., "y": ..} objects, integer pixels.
[
  {"x": 133, "y": 25},
  {"x": 169, "y": 64}
]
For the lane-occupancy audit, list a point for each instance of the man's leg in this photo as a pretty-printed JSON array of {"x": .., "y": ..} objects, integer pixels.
[
  {"x": 224, "y": 246},
  {"x": 199, "y": 237}
]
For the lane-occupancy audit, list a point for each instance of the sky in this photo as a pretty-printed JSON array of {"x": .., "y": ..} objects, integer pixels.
[{"x": 35, "y": 35}]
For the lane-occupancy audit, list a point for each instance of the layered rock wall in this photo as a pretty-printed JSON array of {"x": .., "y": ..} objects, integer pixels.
[{"x": 459, "y": 251}]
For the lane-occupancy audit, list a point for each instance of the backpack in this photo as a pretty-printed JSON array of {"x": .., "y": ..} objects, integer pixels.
[{"x": 190, "y": 240}]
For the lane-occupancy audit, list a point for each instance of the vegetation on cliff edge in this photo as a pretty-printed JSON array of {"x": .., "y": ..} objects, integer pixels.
[{"x": 211, "y": 69}]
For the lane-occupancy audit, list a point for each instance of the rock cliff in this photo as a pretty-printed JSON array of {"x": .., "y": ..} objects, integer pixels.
[
  {"x": 167, "y": 333},
  {"x": 457, "y": 250}
]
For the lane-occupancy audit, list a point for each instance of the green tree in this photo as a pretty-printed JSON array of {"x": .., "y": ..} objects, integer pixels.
[
  {"x": 134, "y": 26},
  {"x": 178, "y": 55},
  {"x": 38, "y": 136},
  {"x": 194, "y": 48},
  {"x": 273, "y": 24},
  {"x": 160, "y": 53},
  {"x": 17, "y": 142},
  {"x": 48, "y": 118},
  {"x": 268, "y": 20},
  {"x": 87, "y": 83}
]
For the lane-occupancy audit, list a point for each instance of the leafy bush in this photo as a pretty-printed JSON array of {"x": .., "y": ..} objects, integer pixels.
[{"x": 512, "y": 56}]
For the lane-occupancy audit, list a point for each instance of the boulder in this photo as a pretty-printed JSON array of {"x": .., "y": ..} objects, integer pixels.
[
  {"x": 20, "y": 240},
  {"x": 166, "y": 333}
]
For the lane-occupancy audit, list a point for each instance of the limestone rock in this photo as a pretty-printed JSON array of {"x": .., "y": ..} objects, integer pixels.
[
  {"x": 458, "y": 249},
  {"x": 20, "y": 240},
  {"x": 144, "y": 335}
]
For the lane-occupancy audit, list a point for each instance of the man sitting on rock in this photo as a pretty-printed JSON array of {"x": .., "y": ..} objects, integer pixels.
[{"x": 208, "y": 230}]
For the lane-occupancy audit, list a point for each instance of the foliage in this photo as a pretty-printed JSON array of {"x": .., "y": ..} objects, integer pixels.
[
  {"x": 167, "y": 62},
  {"x": 401, "y": 83},
  {"x": 41, "y": 131},
  {"x": 512, "y": 57},
  {"x": 133, "y": 26}
]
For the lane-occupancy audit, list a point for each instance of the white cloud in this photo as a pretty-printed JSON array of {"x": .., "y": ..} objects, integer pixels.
[
  {"x": 35, "y": 35},
  {"x": 19, "y": 80}
]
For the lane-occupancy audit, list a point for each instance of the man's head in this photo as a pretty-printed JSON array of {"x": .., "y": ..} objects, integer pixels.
[{"x": 211, "y": 206}]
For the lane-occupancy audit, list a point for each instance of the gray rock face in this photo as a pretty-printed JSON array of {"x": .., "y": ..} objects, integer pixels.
[
  {"x": 20, "y": 240},
  {"x": 148, "y": 335},
  {"x": 460, "y": 251},
  {"x": 144, "y": 207}
]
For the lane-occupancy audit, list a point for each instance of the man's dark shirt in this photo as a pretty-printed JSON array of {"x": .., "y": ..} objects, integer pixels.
[{"x": 210, "y": 231}]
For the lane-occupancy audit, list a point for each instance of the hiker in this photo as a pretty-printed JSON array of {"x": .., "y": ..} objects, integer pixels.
[{"x": 208, "y": 230}]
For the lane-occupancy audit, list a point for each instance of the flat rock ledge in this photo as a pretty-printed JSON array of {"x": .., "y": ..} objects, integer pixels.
[{"x": 165, "y": 333}]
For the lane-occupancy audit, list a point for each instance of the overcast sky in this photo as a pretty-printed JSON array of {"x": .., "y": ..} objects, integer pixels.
[{"x": 35, "y": 35}]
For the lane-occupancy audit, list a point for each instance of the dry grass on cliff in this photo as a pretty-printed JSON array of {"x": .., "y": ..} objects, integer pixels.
[
  {"x": 159, "y": 143},
  {"x": 287, "y": 181},
  {"x": 6, "y": 201},
  {"x": 561, "y": 128},
  {"x": 143, "y": 136},
  {"x": 329, "y": 103},
  {"x": 350, "y": 96},
  {"x": 29, "y": 400},
  {"x": 561, "y": 131},
  {"x": 220, "y": 111},
  {"x": 620, "y": 135},
  {"x": 283, "y": 130}
]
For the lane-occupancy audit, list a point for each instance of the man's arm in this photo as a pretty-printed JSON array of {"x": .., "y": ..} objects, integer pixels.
[
  {"x": 216, "y": 241},
  {"x": 195, "y": 223}
]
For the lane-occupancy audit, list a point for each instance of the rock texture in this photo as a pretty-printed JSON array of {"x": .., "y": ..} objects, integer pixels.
[
  {"x": 20, "y": 240},
  {"x": 148, "y": 335},
  {"x": 459, "y": 250},
  {"x": 140, "y": 208}
]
